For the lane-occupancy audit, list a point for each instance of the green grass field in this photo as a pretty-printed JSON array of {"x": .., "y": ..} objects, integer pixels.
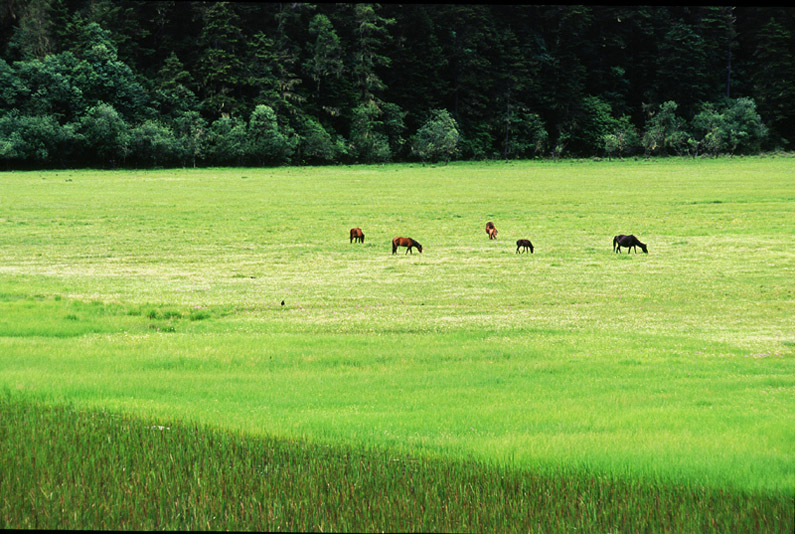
[{"x": 157, "y": 294}]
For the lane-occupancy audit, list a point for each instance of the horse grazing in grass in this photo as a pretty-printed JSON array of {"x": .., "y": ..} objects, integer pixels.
[
  {"x": 491, "y": 230},
  {"x": 525, "y": 245},
  {"x": 628, "y": 241},
  {"x": 357, "y": 235},
  {"x": 407, "y": 242}
]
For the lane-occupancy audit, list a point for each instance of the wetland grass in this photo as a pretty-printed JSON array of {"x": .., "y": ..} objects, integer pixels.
[{"x": 63, "y": 468}]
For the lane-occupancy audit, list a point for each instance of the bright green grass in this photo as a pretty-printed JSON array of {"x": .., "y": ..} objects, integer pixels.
[
  {"x": 158, "y": 293},
  {"x": 62, "y": 468}
]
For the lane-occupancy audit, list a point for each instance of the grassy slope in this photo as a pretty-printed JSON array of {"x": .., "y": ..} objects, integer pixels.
[{"x": 158, "y": 293}]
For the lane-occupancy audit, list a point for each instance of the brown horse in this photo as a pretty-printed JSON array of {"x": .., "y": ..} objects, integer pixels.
[
  {"x": 525, "y": 245},
  {"x": 491, "y": 230},
  {"x": 405, "y": 242},
  {"x": 357, "y": 235}
]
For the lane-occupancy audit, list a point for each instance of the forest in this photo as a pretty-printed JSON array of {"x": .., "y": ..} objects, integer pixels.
[{"x": 145, "y": 84}]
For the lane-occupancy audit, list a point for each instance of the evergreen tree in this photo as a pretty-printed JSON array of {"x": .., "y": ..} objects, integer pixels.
[
  {"x": 416, "y": 80},
  {"x": 219, "y": 65},
  {"x": 325, "y": 59},
  {"x": 718, "y": 29},
  {"x": 682, "y": 68},
  {"x": 774, "y": 79},
  {"x": 33, "y": 38},
  {"x": 172, "y": 82}
]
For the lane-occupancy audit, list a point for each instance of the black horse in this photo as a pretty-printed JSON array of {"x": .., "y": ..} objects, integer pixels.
[
  {"x": 405, "y": 242},
  {"x": 628, "y": 241},
  {"x": 525, "y": 245}
]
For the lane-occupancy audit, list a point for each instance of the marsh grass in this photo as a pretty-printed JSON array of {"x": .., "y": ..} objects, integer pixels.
[{"x": 63, "y": 468}]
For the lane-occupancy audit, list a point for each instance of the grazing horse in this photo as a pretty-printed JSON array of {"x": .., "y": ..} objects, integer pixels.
[
  {"x": 357, "y": 235},
  {"x": 491, "y": 230},
  {"x": 405, "y": 242},
  {"x": 524, "y": 244},
  {"x": 628, "y": 241}
]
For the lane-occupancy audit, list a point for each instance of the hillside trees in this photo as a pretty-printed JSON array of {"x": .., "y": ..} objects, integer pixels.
[{"x": 228, "y": 83}]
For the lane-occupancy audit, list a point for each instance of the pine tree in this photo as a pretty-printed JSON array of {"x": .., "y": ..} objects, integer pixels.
[
  {"x": 774, "y": 79},
  {"x": 220, "y": 66}
]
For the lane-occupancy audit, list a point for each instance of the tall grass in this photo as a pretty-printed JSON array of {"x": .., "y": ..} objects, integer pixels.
[{"x": 63, "y": 468}]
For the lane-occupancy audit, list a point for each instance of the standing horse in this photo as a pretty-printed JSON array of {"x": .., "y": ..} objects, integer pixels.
[
  {"x": 525, "y": 245},
  {"x": 357, "y": 235},
  {"x": 491, "y": 230},
  {"x": 405, "y": 242},
  {"x": 628, "y": 241}
]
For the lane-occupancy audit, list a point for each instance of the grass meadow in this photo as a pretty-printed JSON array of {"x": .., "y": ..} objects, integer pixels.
[{"x": 599, "y": 386}]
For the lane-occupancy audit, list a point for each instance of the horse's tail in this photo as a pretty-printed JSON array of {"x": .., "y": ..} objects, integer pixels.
[{"x": 615, "y": 242}]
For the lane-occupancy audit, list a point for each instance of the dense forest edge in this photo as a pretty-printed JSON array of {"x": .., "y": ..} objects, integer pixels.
[{"x": 142, "y": 84}]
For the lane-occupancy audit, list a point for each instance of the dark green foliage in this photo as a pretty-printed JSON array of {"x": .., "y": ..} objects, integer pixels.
[
  {"x": 106, "y": 134},
  {"x": 734, "y": 128},
  {"x": 353, "y": 82},
  {"x": 63, "y": 468},
  {"x": 438, "y": 139},
  {"x": 665, "y": 132},
  {"x": 36, "y": 140},
  {"x": 227, "y": 142},
  {"x": 266, "y": 144}
]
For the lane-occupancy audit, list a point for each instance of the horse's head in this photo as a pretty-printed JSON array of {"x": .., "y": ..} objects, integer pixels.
[
  {"x": 643, "y": 247},
  {"x": 419, "y": 247}
]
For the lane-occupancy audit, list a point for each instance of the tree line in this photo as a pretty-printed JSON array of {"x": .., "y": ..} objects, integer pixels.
[{"x": 122, "y": 83}]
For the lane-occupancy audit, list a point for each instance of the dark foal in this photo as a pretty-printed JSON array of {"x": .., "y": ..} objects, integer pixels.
[
  {"x": 525, "y": 245},
  {"x": 629, "y": 242}
]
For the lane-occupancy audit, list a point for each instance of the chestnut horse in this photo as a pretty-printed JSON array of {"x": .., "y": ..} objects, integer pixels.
[
  {"x": 525, "y": 245},
  {"x": 628, "y": 241},
  {"x": 405, "y": 242},
  {"x": 491, "y": 230},
  {"x": 357, "y": 235}
]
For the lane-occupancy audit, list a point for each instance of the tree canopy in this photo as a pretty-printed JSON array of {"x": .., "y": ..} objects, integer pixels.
[{"x": 116, "y": 83}]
